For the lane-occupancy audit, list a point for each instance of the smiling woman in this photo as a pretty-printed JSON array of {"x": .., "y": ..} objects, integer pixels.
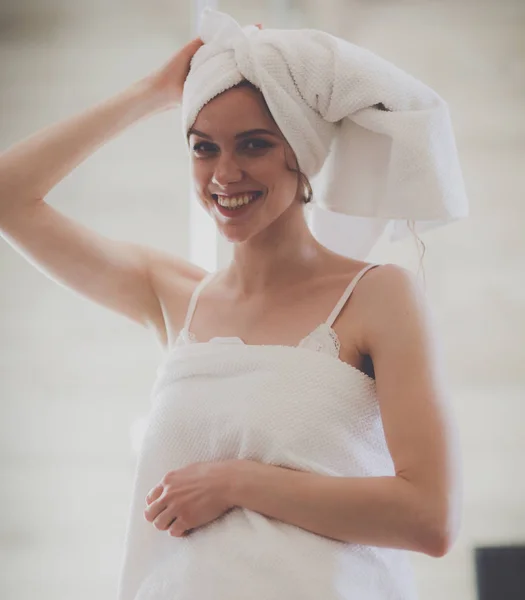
[
  {"x": 310, "y": 463},
  {"x": 245, "y": 172},
  {"x": 299, "y": 421}
]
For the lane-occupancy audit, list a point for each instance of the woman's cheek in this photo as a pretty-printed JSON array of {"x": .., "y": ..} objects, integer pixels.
[{"x": 201, "y": 179}]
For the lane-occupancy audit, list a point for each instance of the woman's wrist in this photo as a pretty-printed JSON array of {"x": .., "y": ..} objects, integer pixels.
[{"x": 154, "y": 97}]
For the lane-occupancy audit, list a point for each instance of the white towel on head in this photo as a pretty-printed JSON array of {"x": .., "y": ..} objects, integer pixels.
[{"x": 379, "y": 140}]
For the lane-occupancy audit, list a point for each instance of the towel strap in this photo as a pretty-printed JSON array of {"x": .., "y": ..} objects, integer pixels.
[
  {"x": 347, "y": 293},
  {"x": 195, "y": 296}
]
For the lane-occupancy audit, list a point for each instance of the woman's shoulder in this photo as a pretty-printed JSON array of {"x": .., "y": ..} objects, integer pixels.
[
  {"x": 374, "y": 278},
  {"x": 389, "y": 297},
  {"x": 391, "y": 279},
  {"x": 383, "y": 282},
  {"x": 390, "y": 273}
]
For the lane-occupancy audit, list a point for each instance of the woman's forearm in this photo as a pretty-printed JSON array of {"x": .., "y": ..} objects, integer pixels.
[
  {"x": 373, "y": 511},
  {"x": 32, "y": 167}
]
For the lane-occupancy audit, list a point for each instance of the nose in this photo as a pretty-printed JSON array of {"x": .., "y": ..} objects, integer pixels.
[{"x": 226, "y": 171}]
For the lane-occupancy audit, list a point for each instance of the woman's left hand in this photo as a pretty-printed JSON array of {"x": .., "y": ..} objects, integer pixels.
[{"x": 189, "y": 497}]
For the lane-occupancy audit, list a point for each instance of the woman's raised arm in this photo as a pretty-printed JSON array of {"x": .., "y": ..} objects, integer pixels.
[{"x": 112, "y": 273}]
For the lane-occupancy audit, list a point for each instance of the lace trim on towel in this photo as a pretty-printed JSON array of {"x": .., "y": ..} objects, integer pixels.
[
  {"x": 322, "y": 339},
  {"x": 191, "y": 336}
]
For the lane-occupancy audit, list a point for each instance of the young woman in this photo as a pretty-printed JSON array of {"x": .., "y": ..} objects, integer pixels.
[{"x": 299, "y": 438}]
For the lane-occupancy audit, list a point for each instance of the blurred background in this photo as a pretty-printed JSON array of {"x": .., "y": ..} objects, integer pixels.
[{"x": 75, "y": 378}]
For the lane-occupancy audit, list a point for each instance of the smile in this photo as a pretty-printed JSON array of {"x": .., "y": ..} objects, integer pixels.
[{"x": 236, "y": 202}]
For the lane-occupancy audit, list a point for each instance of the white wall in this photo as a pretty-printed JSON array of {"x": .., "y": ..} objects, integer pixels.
[{"x": 75, "y": 377}]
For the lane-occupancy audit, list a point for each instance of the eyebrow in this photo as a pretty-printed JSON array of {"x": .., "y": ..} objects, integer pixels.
[{"x": 243, "y": 134}]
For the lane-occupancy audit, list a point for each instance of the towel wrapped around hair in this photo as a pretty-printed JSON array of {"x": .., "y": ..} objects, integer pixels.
[{"x": 377, "y": 143}]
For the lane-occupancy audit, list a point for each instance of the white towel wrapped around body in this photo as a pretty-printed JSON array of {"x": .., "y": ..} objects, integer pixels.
[{"x": 380, "y": 141}]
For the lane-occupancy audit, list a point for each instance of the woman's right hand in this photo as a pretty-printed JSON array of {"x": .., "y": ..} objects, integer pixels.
[{"x": 166, "y": 83}]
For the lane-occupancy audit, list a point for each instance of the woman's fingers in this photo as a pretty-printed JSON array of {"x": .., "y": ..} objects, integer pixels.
[
  {"x": 166, "y": 84},
  {"x": 192, "y": 46},
  {"x": 165, "y": 519},
  {"x": 179, "y": 529},
  {"x": 154, "y": 505},
  {"x": 154, "y": 494}
]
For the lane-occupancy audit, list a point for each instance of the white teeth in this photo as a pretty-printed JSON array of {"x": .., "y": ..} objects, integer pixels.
[{"x": 236, "y": 201}]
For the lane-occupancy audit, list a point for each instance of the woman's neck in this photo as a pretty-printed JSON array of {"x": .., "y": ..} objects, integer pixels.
[{"x": 261, "y": 266}]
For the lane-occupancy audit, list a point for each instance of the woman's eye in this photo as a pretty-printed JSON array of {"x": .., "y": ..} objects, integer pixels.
[
  {"x": 203, "y": 147},
  {"x": 249, "y": 145},
  {"x": 256, "y": 144}
]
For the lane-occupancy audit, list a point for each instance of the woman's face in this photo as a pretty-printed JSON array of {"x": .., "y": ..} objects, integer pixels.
[{"x": 239, "y": 156}]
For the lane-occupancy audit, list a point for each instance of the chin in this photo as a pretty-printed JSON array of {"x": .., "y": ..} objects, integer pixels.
[{"x": 235, "y": 237}]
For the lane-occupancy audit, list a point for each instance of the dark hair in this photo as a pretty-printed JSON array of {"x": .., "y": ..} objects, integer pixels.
[{"x": 308, "y": 193}]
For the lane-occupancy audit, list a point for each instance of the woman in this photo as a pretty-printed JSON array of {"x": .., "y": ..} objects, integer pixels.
[{"x": 299, "y": 439}]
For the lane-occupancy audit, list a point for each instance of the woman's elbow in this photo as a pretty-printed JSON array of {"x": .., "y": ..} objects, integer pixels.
[
  {"x": 440, "y": 536},
  {"x": 438, "y": 544}
]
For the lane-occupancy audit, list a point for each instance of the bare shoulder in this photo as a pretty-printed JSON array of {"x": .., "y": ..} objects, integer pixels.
[
  {"x": 390, "y": 278},
  {"x": 390, "y": 299},
  {"x": 173, "y": 280}
]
